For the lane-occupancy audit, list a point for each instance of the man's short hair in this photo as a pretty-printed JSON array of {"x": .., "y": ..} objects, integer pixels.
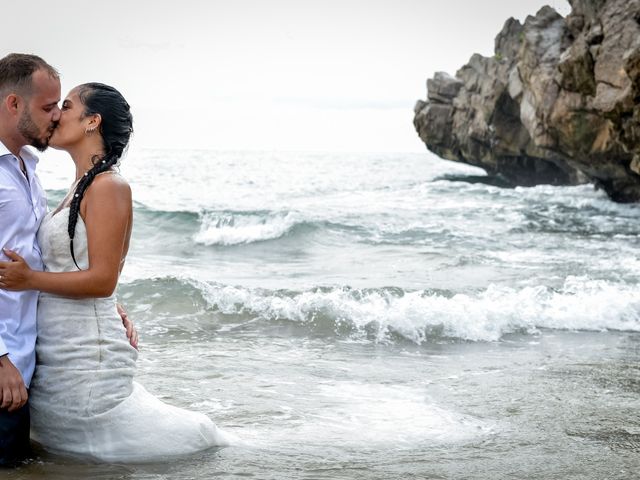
[{"x": 16, "y": 72}]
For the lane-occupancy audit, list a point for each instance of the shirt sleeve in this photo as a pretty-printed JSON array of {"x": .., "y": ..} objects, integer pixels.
[
  {"x": 3, "y": 348},
  {"x": 7, "y": 228}
]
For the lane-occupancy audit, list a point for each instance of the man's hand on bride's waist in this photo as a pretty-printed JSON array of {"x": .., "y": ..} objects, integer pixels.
[{"x": 15, "y": 275}]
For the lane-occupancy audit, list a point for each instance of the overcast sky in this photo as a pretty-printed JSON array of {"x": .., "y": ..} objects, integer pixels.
[{"x": 329, "y": 75}]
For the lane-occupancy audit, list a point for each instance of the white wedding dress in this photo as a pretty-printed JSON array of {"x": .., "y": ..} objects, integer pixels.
[{"x": 83, "y": 398}]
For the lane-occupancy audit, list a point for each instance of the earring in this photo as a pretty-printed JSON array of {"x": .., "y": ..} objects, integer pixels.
[{"x": 89, "y": 131}]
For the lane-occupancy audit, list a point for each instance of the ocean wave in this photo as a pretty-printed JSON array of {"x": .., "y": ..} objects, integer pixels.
[
  {"x": 421, "y": 226},
  {"x": 423, "y": 316},
  {"x": 238, "y": 227},
  {"x": 229, "y": 227},
  {"x": 235, "y": 229}
]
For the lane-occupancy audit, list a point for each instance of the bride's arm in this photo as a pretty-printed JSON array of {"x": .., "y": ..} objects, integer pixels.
[{"x": 106, "y": 208}]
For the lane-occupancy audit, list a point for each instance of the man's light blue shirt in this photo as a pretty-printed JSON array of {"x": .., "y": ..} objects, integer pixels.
[{"x": 22, "y": 207}]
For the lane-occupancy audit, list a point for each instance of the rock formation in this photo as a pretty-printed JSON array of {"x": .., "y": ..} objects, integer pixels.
[{"x": 558, "y": 103}]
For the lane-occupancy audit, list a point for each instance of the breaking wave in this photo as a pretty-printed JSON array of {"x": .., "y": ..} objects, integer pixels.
[{"x": 421, "y": 316}]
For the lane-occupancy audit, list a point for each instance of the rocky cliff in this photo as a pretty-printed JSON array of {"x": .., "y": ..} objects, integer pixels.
[{"x": 558, "y": 103}]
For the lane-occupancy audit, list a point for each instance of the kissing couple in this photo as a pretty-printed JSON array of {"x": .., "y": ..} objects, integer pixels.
[{"x": 58, "y": 274}]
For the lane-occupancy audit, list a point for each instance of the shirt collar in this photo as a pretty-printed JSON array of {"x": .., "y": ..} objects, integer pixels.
[
  {"x": 4, "y": 150},
  {"x": 25, "y": 152}
]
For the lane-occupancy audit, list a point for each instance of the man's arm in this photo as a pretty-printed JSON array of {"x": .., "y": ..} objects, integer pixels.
[{"x": 13, "y": 393}]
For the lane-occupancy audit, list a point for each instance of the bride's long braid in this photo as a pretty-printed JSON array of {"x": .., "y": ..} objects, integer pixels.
[{"x": 116, "y": 129}]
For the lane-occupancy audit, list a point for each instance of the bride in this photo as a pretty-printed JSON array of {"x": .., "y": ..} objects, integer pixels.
[{"x": 83, "y": 397}]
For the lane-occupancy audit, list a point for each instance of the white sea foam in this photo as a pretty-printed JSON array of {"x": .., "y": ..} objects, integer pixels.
[
  {"x": 581, "y": 304},
  {"x": 230, "y": 229},
  {"x": 354, "y": 414}
]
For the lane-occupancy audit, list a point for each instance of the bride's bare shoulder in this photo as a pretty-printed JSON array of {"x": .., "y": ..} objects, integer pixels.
[{"x": 108, "y": 184}]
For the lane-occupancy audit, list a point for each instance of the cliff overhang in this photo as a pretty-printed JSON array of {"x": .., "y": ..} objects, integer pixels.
[{"x": 558, "y": 103}]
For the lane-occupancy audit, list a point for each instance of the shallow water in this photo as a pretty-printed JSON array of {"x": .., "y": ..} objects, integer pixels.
[
  {"x": 553, "y": 405},
  {"x": 379, "y": 316}
]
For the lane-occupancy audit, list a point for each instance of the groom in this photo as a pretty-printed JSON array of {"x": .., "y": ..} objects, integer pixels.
[{"x": 29, "y": 113}]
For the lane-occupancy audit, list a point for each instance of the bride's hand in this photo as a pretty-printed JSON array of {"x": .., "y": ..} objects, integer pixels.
[{"x": 16, "y": 274}]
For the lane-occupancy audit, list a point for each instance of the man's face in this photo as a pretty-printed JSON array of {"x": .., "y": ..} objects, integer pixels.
[{"x": 41, "y": 112}]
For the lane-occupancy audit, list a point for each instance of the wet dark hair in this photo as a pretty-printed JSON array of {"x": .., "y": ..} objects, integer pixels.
[
  {"x": 17, "y": 69},
  {"x": 116, "y": 129}
]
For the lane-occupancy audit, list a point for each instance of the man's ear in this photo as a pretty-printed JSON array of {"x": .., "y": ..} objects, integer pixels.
[{"x": 12, "y": 103}]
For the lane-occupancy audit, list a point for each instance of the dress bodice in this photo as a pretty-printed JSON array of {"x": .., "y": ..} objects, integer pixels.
[{"x": 53, "y": 238}]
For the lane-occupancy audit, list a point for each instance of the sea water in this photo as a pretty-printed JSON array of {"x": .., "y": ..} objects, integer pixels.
[{"x": 378, "y": 316}]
